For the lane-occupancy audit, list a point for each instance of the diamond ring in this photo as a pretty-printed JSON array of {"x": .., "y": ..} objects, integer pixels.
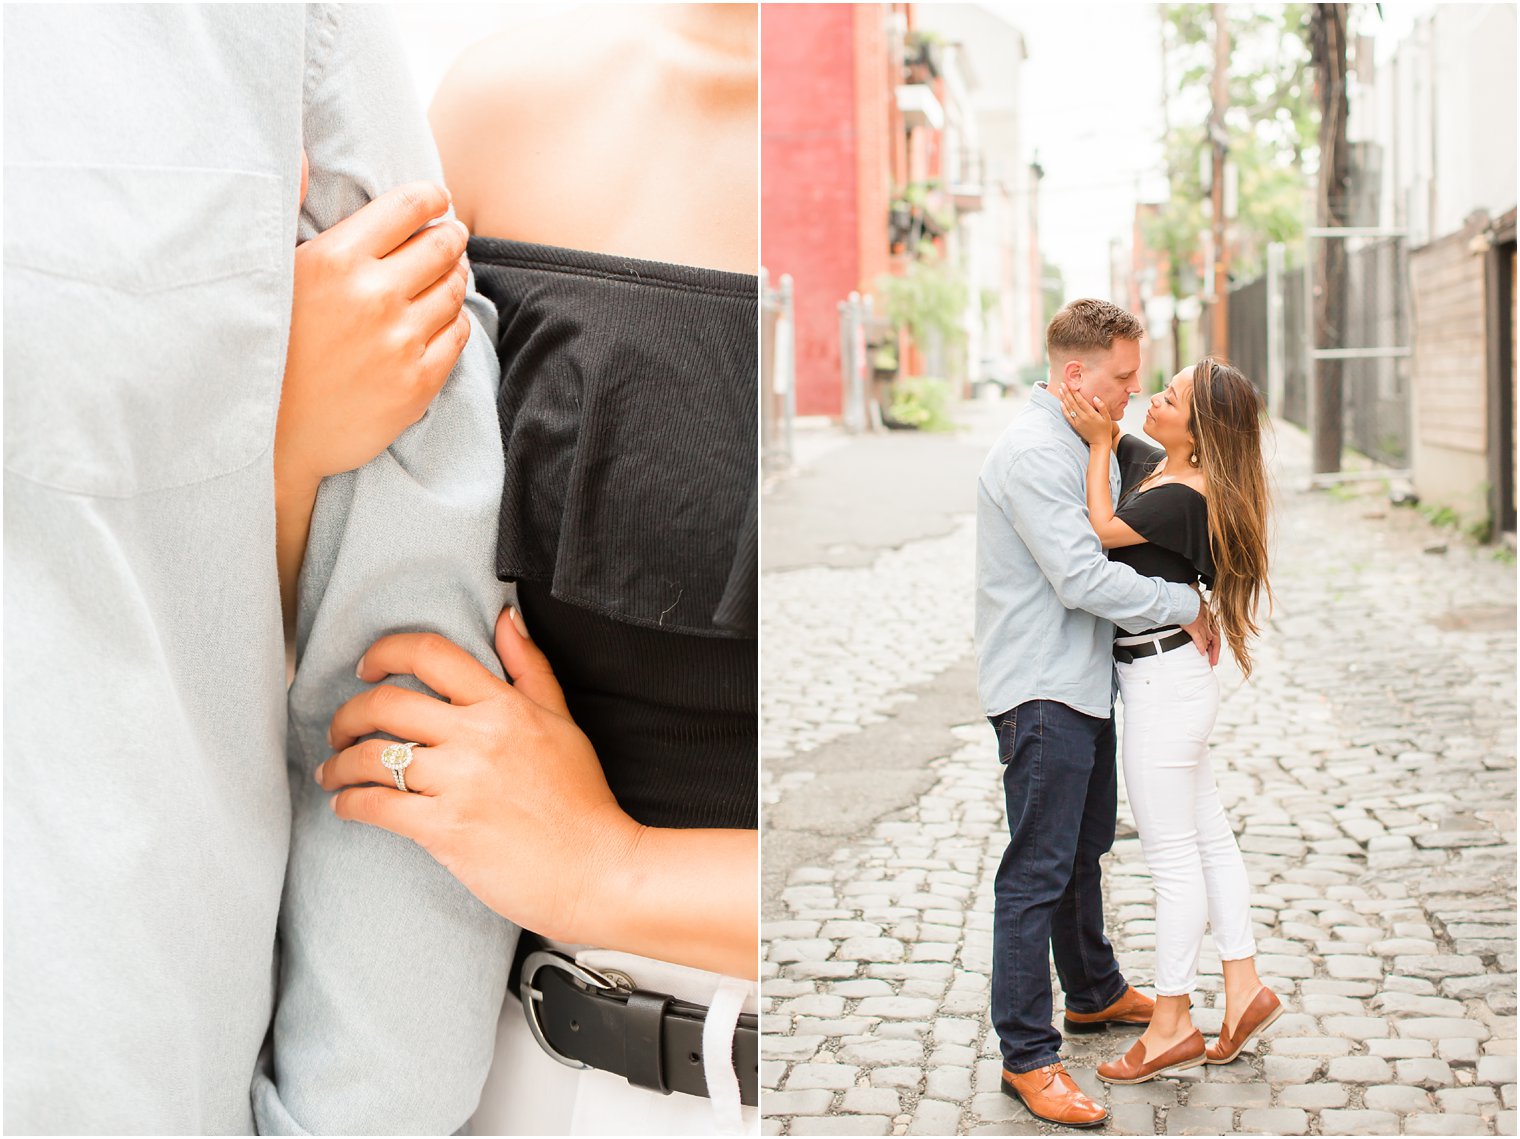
[{"x": 398, "y": 757}]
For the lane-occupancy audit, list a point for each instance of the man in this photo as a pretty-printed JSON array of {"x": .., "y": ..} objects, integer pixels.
[
  {"x": 1047, "y": 601},
  {"x": 153, "y": 835}
]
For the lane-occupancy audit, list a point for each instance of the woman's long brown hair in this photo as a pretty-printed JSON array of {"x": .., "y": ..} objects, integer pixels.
[{"x": 1225, "y": 422}]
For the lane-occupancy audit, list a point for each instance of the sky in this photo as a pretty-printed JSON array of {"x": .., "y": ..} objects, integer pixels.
[
  {"x": 1092, "y": 105},
  {"x": 1092, "y": 115}
]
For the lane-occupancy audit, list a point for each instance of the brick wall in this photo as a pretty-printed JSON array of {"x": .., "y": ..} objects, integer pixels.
[
  {"x": 1450, "y": 378},
  {"x": 876, "y": 120},
  {"x": 809, "y": 201}
]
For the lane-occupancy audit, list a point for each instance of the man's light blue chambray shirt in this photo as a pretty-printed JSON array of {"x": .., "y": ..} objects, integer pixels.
[
  {"x": 1047, "y": 597},
  {"x": 160, "y": 815}
]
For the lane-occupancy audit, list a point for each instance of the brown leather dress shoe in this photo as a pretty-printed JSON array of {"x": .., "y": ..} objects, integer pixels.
[
  {"x": 1134, "y": 1007},
  {"x": 1052, "y": 1095},
  {"x": 1262, "y": 1011},
  {"x": 1132, "y": 1067}
]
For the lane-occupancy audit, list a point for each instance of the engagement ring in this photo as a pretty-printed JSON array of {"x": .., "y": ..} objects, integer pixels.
[{"x": 398, "y": 757}]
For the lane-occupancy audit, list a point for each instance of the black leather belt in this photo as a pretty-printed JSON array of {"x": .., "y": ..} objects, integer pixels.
[
  {"x": 586, "y": 1020},
  {"x": 1128, "y": 653}
]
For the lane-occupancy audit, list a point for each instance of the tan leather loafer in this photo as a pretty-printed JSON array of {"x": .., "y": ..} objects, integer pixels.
[
  {"x": 1132, "y": 1067},
  {"x": 1134, "y": 1007},
  {"x": 1052, "y": 1095},
  {"x": 1262, "y": 1011}
]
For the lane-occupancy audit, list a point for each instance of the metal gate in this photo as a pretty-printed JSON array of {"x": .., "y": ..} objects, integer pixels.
[
  {"x": 1363, "y": 338},
  {"x": 855, "y": 317},
  {"x": 778, "y": 372}
]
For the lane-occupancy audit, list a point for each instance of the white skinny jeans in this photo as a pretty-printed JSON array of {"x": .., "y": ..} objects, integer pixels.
[{"x": 1170, "y": 702}]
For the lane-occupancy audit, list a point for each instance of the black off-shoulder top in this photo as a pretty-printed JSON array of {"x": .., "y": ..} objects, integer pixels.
[
  {"x": 628, "y": 406},
  {"x": 1172, "y": 518}
]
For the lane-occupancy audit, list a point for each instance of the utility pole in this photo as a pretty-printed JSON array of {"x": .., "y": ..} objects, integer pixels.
[
  {"x": 1219, "y": 341},
  {"x": 1036, "y": 264},
  {"x": 1173, "y": 264},
  {"x": 1327, "y": 44}
]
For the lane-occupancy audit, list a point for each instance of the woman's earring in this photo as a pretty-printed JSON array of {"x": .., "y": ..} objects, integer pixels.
[{"x": 1193, "y": 458}]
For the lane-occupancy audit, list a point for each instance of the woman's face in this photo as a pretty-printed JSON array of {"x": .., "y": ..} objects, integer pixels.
[{"x": 1167, "y": 420}]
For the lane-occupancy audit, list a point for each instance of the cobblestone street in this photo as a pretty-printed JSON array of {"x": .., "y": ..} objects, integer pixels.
[{"x": 1368, "y": 770}]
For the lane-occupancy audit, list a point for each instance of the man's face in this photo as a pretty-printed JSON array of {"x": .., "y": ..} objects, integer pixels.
[{"x": 1112, "y": 376}]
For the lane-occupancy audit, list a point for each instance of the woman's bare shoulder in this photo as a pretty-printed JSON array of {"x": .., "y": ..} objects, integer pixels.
[
  {"x": 536, "y": 65},
  {"x": 506, "y": 95}
]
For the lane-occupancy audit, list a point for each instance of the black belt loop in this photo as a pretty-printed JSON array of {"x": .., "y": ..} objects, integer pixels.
[{"x": 643, "y": 1055}]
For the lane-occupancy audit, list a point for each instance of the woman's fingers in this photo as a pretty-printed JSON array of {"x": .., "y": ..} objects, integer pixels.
[
  {"x": 361, "y": 764},
  {"x": 527, "y": 666},
  {"x": 380, "y": 226},
  {"x": 437, "y": 306},
  {"x": 427, "y": 256},
  {"x": 1071, "y": 402},
  {"x": 433, "y": 659},
  {"x": 396, "y": 711},
  {"x": 1087, "y": 415},
  {"x": 442, "y": 352},
  {"x": 399, "y": 812}
]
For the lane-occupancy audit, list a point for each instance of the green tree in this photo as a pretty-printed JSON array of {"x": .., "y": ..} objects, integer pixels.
[
  {"x": 1052, "y": 289},
  {"x": 1270, "y": 126},
  {"x": 928, "y": 299}
]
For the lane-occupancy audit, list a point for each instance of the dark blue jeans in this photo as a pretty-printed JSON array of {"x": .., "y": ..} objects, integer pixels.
[{"x": 1061, "y": 787}]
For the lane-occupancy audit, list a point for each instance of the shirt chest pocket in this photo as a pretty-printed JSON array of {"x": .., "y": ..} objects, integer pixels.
[{"x": 146, "y": 315}]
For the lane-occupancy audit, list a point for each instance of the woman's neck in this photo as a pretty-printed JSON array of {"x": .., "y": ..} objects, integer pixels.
[
  {"x": 728, "y": 29},
  {"x": 1178, "y": 463}
]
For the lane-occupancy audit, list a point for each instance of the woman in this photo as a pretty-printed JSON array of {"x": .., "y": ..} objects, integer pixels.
[
  {"x": 1193, "y": 510},
  {"x": 606, "y": 798}
]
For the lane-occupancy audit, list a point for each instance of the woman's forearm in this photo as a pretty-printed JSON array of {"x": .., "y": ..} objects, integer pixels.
[
  {"x": 294, "y": 500},
  {"x": 686, "y": 896},
  {"x": 1100, "y": 503}
]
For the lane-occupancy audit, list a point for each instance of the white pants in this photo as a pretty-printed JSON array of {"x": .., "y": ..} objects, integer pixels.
[
  {"x": 1170, "y": 701},
  {"x": 530, "y": 1093}
]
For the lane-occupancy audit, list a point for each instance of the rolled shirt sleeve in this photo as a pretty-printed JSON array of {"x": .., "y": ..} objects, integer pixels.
[
  {"x": 1050, "y": 516},
  {"x": 391, "y": 974}
]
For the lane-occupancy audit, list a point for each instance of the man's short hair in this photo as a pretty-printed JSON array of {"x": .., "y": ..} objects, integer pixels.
[{"x": 1088, "y": 325}]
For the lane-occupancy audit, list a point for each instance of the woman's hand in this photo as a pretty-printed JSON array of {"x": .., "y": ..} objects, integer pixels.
[
  {"x": 509, "y": 795},
  {"x": 1088, "y": 418},
  {"x": 376, "y": 325}
]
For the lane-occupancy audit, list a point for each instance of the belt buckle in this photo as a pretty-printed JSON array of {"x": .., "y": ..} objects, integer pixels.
[{"x": 542, "y": 959}]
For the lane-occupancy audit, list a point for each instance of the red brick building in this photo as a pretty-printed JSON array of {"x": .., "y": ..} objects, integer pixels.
[{"x": 832, "y": 148}]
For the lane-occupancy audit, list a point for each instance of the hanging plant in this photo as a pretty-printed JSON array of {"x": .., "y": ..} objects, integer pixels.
[{"x": 928, "y": 299}]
